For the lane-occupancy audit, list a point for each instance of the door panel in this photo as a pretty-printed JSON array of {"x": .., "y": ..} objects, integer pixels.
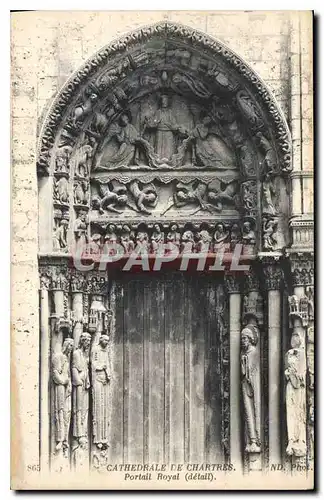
[{"x": 166, "y": 391}]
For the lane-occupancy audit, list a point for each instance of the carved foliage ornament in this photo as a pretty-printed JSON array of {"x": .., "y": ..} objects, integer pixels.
[{"x": 166, "y": 32}]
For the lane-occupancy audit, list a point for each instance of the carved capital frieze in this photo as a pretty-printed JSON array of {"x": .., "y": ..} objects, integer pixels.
[
  {"x": 302, "y": 268},
  {"x": 78, "y": 282},
  {"x": 232, "y": 283},
  {"x": 302, "y": 308},
  {"x": 273, "y": 275}
]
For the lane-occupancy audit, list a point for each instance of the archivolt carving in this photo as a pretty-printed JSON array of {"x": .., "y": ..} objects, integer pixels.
[{"x": 192, "y": 52}]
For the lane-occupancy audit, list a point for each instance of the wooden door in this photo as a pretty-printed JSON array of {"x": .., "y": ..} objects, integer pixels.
[{"x": 168, "y": 356}]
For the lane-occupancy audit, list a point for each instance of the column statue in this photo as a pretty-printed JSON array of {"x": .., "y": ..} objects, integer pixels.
[
  {"x": 295, "y": 374},
  {"x": 101, "y": 375},
  {"x": 61, "y": 376},
  {"x": 80, "y": 389},
  {"x": 251, "y": 388}
]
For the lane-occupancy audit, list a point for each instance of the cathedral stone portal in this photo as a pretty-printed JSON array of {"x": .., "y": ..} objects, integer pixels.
[{"x": 167, "y": 136}]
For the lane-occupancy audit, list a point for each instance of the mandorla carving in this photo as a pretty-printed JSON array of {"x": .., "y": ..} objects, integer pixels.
[
  {"x": 251, "y": 388},
  {"x": 61, "y": 377},
  {"x": 166, "y": 127},
  {"x": 295, "y": 374},
  {"x": 80, "y": 391},
  {"x": 101, "y": 376}
]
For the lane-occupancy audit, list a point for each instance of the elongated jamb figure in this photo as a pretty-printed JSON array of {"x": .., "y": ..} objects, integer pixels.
[
  {"x": 295, "y": 374},
  {"x": 101, "y": 376},
  {"x": 61, "y": 376},
  {"x": 251, "y": 388},
  {"x": 80, "y": 388}
]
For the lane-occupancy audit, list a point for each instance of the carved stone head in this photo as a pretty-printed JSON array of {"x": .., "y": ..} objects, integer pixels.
[
  {"x": 249, "y": 337},
  {"x": 295, "y": 341},
  {"x": 85, "y": 340},
  {"x": 104, "y": 340},
  {"x": 68, "y": 345},
  {"x": 220, "y": 228}
]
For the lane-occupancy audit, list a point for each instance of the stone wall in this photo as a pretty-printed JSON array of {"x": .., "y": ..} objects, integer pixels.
[{"x": 47, "y": 47}]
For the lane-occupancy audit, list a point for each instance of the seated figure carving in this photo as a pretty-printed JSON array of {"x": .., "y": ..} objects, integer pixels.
[{"x": 207, "y": 147}]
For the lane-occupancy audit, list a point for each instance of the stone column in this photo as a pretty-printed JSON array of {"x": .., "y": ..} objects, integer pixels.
[
  {"x": 233, "y": 287},
  {"x": 44, "y": 373},
  {"x": 273, "y": 276}
]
